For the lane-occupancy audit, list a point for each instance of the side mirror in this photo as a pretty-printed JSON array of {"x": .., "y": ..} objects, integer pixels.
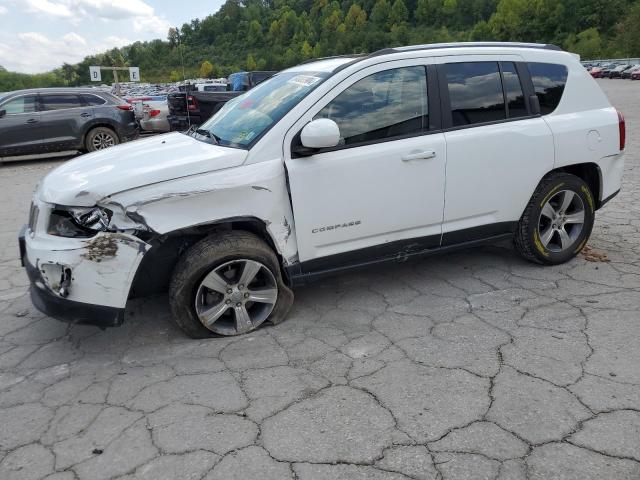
[
  {"x": 2, "y": 113},
  {"x": 320, "y": 133}
]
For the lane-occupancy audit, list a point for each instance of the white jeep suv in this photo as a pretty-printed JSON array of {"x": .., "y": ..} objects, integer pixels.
[{"x": 326, "y": 166}]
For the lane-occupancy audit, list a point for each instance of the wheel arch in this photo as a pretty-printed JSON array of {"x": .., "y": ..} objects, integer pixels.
[
  {"x": 589, "y": 172},
  {"x": 155, "y": 269}
]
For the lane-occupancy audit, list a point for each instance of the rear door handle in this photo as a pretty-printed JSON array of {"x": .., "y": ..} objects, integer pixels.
[
  {"x": 85, "y": 115},
  {"x": 32, "y": 120},
  {"x": 421, "y": 155}
]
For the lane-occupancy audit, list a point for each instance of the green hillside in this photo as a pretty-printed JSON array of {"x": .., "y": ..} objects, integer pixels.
[{"x": 273, "y": 34}]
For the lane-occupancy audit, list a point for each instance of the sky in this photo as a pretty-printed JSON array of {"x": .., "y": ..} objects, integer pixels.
[{"x": 40, "y": 35}]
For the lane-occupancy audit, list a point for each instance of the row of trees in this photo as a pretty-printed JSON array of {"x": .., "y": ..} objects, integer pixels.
[{"x": 274, "y": 34}]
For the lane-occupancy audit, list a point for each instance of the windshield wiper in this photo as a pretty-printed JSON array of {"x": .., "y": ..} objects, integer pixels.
[{"x": 208, "y": 134}]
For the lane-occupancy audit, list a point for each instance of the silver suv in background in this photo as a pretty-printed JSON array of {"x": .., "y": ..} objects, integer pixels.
[{"x": 53, "y": 120}]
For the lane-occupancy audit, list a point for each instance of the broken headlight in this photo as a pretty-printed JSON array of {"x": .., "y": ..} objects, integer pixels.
[{"x": 78, "y": 221}]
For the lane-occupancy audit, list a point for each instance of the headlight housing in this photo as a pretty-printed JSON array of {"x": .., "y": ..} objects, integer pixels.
[{"x": 78, "y": 221}]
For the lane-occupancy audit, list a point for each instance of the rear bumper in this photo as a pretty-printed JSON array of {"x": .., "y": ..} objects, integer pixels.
[
  {"x": 155, "y": 125},
  {"x": 178, "y": 123},
  {"x": 60, "y": 308},
  {"x": 129, "y": 132}
]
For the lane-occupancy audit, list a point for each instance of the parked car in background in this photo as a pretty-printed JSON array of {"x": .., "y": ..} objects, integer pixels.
[
  {"x": 596, "y": 72},
  {"x": 192, "y": 108},
  {"x": 243, "y": 81},
  {"x": 210, "y": 87},
  {"x": 627, "y": 73},
  {"x": 617, "y": 72},
  {"x": 50, "y": 120},
  {"x": 154, "y": 116},
  {"x": 606, "y": 69},
  {"x": 327, "y": 166},
  {"x": 635, "y": 75}
]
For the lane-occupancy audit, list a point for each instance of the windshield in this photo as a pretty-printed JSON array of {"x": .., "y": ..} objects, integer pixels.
[{"x": 245, "y": 118}]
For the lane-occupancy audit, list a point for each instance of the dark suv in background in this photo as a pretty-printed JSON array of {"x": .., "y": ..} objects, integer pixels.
[{"x": 52, "y": 120}]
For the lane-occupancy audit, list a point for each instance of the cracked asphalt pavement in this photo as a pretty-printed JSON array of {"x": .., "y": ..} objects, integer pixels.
[{"x": 476, "y": 365}]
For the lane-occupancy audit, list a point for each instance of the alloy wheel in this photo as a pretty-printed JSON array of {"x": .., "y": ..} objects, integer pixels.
[
  {"x": 103, "y": 140},
  {"x": 236, "y": 297},
  {"x": 561, "y": 221}
]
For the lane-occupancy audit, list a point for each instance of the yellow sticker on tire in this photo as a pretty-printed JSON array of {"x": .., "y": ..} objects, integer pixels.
[
  {"x": 550, "y": 193},
  {"x": 587, "y": 194},
  {"x": 538, "y": 244}
]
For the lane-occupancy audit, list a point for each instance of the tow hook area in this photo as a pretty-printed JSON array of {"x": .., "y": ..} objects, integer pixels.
[{"x": 57, "y": 277}]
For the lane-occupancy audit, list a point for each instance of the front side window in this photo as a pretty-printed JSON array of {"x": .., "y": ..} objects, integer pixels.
[
  {"x": 24, "y": 104},
  {"x": 549, "y": 80},
  {"x": 475, "y": 93},
  {"x": 60, "y": 101},
  {"x": 382, "y": 106},
  {"x": 245, "y": 118}
]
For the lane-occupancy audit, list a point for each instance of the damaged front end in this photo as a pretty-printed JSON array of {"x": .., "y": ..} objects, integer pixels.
[{"x": 81, "y": 261}]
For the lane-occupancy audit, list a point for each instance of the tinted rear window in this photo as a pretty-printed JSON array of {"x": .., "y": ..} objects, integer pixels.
[
  {"x": 60, "y": 101},
  {"x": 475, "y": 92},
  {"x": 549, "y": 80},
  {"x": 93, "y": 100},
  {"x": 513, "y": 90}
]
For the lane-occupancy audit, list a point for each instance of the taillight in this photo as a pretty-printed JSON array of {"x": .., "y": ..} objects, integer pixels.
[
  {"x": 191, "y": 103},
  {"x": 124, "y": 107},
  {"x": 622, "y": 129},
  {"x": 153, "y": 113}
]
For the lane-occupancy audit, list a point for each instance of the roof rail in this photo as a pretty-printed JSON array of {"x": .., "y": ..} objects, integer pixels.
[
  {"x": 346, "y": 55},
  {"x": 435, "y": 46}
]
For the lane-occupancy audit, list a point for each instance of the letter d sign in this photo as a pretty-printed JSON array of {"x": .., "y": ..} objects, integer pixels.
[{"x": 94, "y": 73}]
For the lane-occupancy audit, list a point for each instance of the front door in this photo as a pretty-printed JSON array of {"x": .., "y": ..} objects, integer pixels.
[
  {"x": 20, "y": 132},
  {"x": 380, "y": 193}
]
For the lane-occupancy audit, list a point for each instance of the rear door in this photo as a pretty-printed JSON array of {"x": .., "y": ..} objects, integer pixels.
[
  {"x": 20, "y": 129},
  {"x": 379, "y": 194},
  {"x": 64, "y": 116},
  {"x": 497, "y": 148}
]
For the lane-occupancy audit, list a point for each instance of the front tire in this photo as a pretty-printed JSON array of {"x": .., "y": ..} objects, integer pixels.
[
  {"x": 558, "y": 220},
  {"x": 228, "y": 284}
]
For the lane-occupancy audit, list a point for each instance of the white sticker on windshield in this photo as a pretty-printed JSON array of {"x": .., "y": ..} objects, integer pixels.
[{"x": 304, "y": 80}]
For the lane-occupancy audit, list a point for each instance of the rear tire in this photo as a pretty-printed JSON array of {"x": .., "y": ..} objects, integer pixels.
[
  {"x": 558, "y": 220},
  {"x": 100, "y": 138},
  {"x": 211, "y": 294}
]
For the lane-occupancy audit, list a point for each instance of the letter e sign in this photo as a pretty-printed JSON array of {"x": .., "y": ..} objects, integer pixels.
[{"x": 134, "y": 74}]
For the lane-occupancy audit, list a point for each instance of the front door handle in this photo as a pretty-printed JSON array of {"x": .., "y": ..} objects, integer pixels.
[
  {"x": 420, "y": 155},
  {"x": 32, "y": 120}
]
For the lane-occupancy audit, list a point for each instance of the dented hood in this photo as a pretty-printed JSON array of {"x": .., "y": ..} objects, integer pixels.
[{"x": 92, "y": 177}]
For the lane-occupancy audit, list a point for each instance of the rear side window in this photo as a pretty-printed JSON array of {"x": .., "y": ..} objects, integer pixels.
[
  {"x": 475, "y": 93},
  {"x": 549, "y": 80},
  {"x": 60, "y": 101},
  {"x": 93, "y": 100},
  {"x": 386, "y": 105},
  {"x": 513, "y": 91}
]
